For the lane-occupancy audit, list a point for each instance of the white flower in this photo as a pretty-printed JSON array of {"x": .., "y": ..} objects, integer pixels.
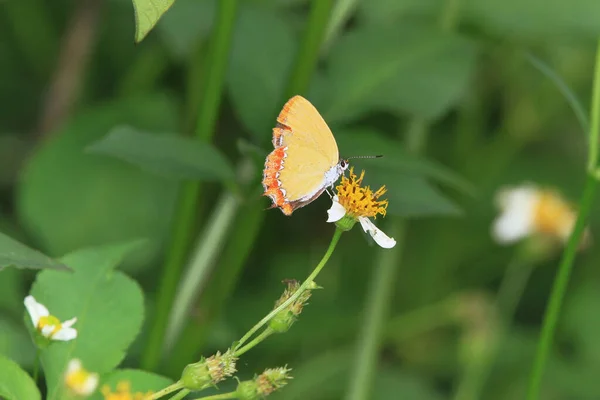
[
  {"x": 337, "y": 212},
  {"x": 48, "y": 325},
  {"x": 527, "y": 210},
  {"x": 79, "y": 380}
]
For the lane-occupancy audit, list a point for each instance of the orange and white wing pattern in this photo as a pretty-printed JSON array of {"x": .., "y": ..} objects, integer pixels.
[{"x": 305, "y": 151}]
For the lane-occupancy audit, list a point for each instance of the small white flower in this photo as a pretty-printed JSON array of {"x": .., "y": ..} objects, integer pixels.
[
  {"x": 337, "y": 212},
  {"x": 527, "y": 210},
  {"x": 79, "y": 380},
  {"x": 48, "y": 325}
]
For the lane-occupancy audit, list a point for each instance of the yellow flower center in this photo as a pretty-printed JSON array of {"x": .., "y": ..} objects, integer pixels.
[
  {"x": 553, "y": 215},
  {"x": 76, "y": 380},
  {"x": 360, "y": 201},
  {"x": 49, "y": 320},
  {"x": 123, "y": 392}
]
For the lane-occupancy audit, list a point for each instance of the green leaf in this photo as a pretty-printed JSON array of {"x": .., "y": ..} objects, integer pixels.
[
  {"x": 15, "y": 254},
  {"x": 139, "y": 381},
  {"x": 167, "y": 155},
  {"x": 15, "y": 342},
  {"x": 16, "y": 384},
  {"x": 12, "y": 287},
  {"x": 407, "y": 69},
  {"x": 109, "y": 307},
  {"x": 147, "y": 13},
  {"x": 261, "y": 56},
  {"x": 68, "y": 199},
  {"x": 185, "y": 25},
  {"x": 368, "y": 142}
]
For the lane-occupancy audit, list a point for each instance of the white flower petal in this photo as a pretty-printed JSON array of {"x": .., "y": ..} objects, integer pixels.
[
  {"x": 47, "y": 330},
  {"x": 69, "y": 323},
  {"x": 65, "y": 334},
  {"x": 32, "y": 310},
  {"x": 377, "y": 234},
  {"x": 73, "y": 366},
  {"x": 90, "y": 385},
  {"x": 336, "y": 212},
  {"x": 516, "y": 220}
]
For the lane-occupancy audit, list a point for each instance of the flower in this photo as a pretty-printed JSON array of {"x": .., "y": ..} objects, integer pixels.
[
  {"x": 269, "y": 381},
  {"x": 356, "y": 203},
  {"x": 209, "y": 371},
  {"x": 79, "y": 380},
  {"x": 48, "y": 325},
  {"x": 527, "y": 210},
  {"x": 123, "y": 392}
]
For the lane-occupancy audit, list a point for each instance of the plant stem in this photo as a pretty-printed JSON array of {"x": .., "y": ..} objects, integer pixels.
[
  {"x": 169, "y": 389},
  {"x": 265, "y": 334},
  {"x": 180, "y": 395},
  {"x": 334, "y": 241},
  {"x": 377, "y": 310},
  {"x": 185, "y": 217},
  {"x": 36, "y": 365},
  {"x": 308, "y": 55},
  {"x": 209, "y": 246},
  {"x": 222, "y": 396},
  {"x": 566, "y": 265}
]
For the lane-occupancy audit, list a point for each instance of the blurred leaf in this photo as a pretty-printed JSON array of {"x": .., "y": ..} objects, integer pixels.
[
  {"x": 109, "y": 307},
  {"x": 185, "y": 24},
  {"x": 261, "y": 56},
  {"x": 15, "y": 343},
  {"x": 406, "y": 69},
  {"x": 535, "y": 19},
  {"x": 16, "y": 384},
  {"x": 12, "y": 290},
  {"x": 167, "y": 155},
  {"x": 368, "y": 142},
  {"x": 67, "y": 199},
  {"x": 140, "y": 381},
  {"x": 377, "y": 12},
  {"x": 582, "y": 322},
  {"x": 147, "y": 13},
  {"x": 393, "y": 383},
  {"x": 15, "y": 254}
]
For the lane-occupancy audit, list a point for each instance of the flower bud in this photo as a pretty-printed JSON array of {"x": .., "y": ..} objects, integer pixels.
[
  {"x": 286, "y": 317},
  {"x": 263, "y": 384},
  {"x": 209, "y": 371}
]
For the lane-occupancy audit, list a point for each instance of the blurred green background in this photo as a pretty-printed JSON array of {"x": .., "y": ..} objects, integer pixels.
[{"x": 454, "y": 93}]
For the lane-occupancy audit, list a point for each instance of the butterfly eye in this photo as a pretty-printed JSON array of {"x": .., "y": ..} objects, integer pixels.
[{"x": 344, "y": 164}]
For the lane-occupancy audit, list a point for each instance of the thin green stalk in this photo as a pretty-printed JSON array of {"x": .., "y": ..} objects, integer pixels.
[
  {"x": 561, "y": 280},
  {"x": 265, "y": 334},
  {"x": 180, "y": 395},
  {"x": 307, "y": 57},
  {"x": 342, "y": 10},
  {"x": 559, "y": 289},
  {"x": 595, "y": 117},
  {"x": 376, "y": 314},
  {"x": 222, "y": 396},
  {"x": 185, "y": 217},
  {"x": 209, "y": 246},
  {"x": 36, "y": 365},
  {"x": 169, "y": 389},
  {"x": 334, "y": 241}
]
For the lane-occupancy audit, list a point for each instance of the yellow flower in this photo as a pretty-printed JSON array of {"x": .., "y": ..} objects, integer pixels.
[
  {"x": 123, "y": 392},
  {"x": 48, "y": 325},
  {"x": 357, "y": 203},
  {"x": 527, "y": 210},
  {"x": 79, "y": 380}
]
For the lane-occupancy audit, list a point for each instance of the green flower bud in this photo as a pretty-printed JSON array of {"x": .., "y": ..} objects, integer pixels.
[
  {"x": 196, "y": 376},
  {"x": 209, "y": 371},
  {"x": 247, "y": 390},
  {"x": 282, "y": 321},
  {"x": 285, "y": 318},
  {"x": 263, "y": 384}
]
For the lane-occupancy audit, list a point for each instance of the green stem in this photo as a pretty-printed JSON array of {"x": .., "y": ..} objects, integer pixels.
[
  {"x": 559, "y": 289},
  {"x": 595, "y": 117},
  {"x": 169, "y": 389},
  {"x": 561, "y": 281},
  {"x": 265, "y": 334},
  {"x": 36, "y": 365},
  {"x": 209, "y": 246},
  {"x": 180, "y": 395},
  {"x": 222, "y": 396},
  {"x": 184, "y": 223},
  {"x": 377, "y": 310},
  {"x": 334, "y": 241},
  {"x": 307, "y": 57}
]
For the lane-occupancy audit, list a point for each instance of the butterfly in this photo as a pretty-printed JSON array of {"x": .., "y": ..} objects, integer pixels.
[{"x": 306, "y": 160}]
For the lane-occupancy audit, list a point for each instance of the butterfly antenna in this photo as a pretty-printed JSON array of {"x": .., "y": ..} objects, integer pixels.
[{"x": 377, "y": 156}]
